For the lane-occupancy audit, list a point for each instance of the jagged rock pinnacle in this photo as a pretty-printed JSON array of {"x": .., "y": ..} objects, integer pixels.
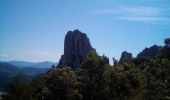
[
  {"x": 125, "y": 57},
  {"x": 76, "y": 47}
]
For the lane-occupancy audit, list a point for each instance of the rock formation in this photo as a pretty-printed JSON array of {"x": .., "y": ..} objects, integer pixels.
[
  {"x": 152, "y": 51},
  {"x": 125, "y": 57},
  {"x": 76, "y": 48}
]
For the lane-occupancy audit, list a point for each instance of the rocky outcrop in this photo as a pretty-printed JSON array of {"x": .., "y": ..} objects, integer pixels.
[
  {"x": 76, "y": 48},
  {"x": 125, "y": 57},
  {"x": 152, "y": 51}
]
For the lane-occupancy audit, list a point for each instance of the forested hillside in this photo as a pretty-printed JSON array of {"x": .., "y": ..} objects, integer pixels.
[{"x": 143, "y": 78}]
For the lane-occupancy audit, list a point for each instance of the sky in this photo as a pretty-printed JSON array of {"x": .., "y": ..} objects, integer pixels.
[{"x": 34, "y": 30}]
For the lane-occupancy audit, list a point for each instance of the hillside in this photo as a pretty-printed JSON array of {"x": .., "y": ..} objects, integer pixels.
[
  {"x": 139, "y": 78},
  {"x": 24, "y": 64},
  {"x": 8, "y": 72}
]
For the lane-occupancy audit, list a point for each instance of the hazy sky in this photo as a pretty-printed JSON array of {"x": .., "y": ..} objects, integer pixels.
[{"x": 34, "y": 30}]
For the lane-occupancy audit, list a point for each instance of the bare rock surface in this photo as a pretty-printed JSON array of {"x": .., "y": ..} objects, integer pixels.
[
  {"x": 125, "y": 57},
  {"x": 76, "y": 47}
]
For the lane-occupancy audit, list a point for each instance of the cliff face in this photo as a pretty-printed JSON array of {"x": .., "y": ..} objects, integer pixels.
[
  {"x": 125, "y": 57},
  {"x": 76, "y": 47},
  {"x": 152, "y": 51}
]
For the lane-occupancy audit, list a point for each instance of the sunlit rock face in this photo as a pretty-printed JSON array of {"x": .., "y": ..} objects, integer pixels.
[{"x": 76, "y": 47}]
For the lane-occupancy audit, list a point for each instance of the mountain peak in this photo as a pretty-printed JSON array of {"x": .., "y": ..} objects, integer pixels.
[{"x": 76, "y": 47}]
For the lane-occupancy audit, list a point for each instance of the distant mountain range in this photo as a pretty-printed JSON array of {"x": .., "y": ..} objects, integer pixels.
[
  {"x": 25, "y": 70},
  {"x": 24, "y": 64}
]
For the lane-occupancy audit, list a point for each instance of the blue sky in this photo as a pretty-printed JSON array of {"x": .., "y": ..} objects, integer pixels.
[{"x": 34, "y": 30}]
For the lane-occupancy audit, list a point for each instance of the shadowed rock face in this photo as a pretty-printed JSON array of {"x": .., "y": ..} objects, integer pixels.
[
  {"x": 76, "y": 48},
  {"x": 152, "y": 51},
  {"x": 125, "y": 57}
]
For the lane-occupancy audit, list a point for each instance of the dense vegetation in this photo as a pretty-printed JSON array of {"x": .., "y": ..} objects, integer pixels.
[{"x": 146, "y": 78}]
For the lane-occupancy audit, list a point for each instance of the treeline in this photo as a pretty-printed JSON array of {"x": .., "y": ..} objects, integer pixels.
[{"x": 137, "y": 79}]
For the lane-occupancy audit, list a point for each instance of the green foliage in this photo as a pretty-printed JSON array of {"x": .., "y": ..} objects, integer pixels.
[
  {"x": 93, "y": 78},
  {"x": 99, "y": 81},
  {"x": 18, "y": 91},
  {"x": 140, "y": 79},
  {"x": 167, "y": 42},
  {"x": 115, "y": 62},
  {"x": 165, "y": 50},
  {"x": 154, "y": 78},
  {"x": 62, "y": 84}
]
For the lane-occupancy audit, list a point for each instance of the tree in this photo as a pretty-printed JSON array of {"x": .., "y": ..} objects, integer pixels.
[
  {"x": 115, "y": 61},
  {"x": 17, "y": 90},
  {"x": 154, "y": 78},
  {"x": 105, "y": 59},
  {"x": 165, "y": 50},
  {"x": 94, "y": 78},
  {"x": 167, "y": 42},
  {"x": 61, "y": 83}
]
